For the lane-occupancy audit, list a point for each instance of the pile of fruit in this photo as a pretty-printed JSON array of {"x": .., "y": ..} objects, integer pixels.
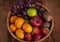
[{"x": 28, "y": 21}]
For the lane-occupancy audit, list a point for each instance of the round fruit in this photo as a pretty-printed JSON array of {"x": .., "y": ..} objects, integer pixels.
[
  {"x": 27, "y": 28},
  {"x": 31, "y": 12},
  {"x": 13, "y": 18},
  {"x": 12, "y": 28},
  {"x": 28, "y": 37},
  {"x": 20, "y": 33},
  {"x": 36, "y": 31},
  {"x": 19, "y": 21},
  {"x": 37, "y": 37},
  {"x": 44, "y": 31},
  {"x": 36, "y": 21}
]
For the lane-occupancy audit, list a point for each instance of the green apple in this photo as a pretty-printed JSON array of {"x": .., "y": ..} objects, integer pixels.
[{"x": 31, "y": 12}]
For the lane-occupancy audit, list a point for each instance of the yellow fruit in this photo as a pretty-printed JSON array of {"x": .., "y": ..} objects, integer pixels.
[
  {"x": 20, "y": 33},
  {"x": 13, "y": 18},
  {"x": 19, "y": 21},
  {"x": 12, "y": 28},
  {"x": 27, "y": 27}
]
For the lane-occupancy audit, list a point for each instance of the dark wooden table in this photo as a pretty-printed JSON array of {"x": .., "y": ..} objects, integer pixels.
[{"x": 53, "y": 5}]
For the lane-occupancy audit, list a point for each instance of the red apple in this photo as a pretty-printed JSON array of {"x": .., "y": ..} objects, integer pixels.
[
  {"x": 44, "y": 31},
  {"x": 36, "y": 21},
  {"x": 37, "y": 37},
  {"x": 28, "y": 37},
  {"x": 36, "y": 31}
]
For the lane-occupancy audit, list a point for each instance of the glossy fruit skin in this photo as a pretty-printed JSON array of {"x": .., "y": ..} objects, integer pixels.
[
  {"x": 44, "y": 31},
  {"x": 27, "y": 27},
  {"x": 12, "y": 19},
  {"x": 19, "y": 21},
  {"x": 36, "y": 31},
  {"x": 36, "y": 21},
  {"x": 12, "y": 27},
  {"x": 37, "y": 37},
  {"x": 31, "y": 12},
  {"x": 20, "y": 33},
  {"x": 28, "y": 37}
]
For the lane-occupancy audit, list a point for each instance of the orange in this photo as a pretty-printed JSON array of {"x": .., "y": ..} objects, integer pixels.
[
  {"x": 19, "y": 21},
  {"x": 27, "y": 27},
  {"x": 13, "y": 18},
  {"x": 20, "y": 33},
  {"x": 12, "y": 28}
]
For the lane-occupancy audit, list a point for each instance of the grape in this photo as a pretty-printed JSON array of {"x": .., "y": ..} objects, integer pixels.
[
  {"x": 19, "y": 15},
  {"x": 32, "y": 1},
  {"x": 25, "y": 6},
  {"x": 13, "y": 11},
  {"x": 21, "y": 7},
  {"x": 33, "y": 5},
  {"x": 29, "y": 5},
  {"x": 37, "y": 7},
  {"x": 16, "y": 2},
  {"x": 39, "y": 14},
  {"x": 28, "y": 1},
  {"x": 24, "y": 13},
  {"x": 25, "y": 9},
  {"x": 26, "y": 17},
  {"x": 18, "y": 7},
  {"x": 20, "y": 3},
  {"x": 20, "y": 0}
]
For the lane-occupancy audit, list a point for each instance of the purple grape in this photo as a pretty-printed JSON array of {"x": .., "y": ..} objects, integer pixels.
[
  {"x": 33, "y": 5},
  {"x": 19, "y": 15},
  {"x": 28, "y": 1},
  {"x": 25, "y": 6},
  {"x": 20, "y": 3},
  {"x": 18, "y": 7},
  {"x": 29, "y": 5},
  {"x": 25, "y": 17},
  {"x": 21, "y": 7},
  {"x": 24, "y": 13},
  {"x": 39, "y": 14},
  {"x": 20, "y": 0},
  {"x": 37, "y": 7},
  {"x": 25, "y": 9},
  {"x": 13, "y": 11}
]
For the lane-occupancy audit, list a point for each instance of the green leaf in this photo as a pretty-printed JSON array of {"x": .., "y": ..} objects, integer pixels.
[{"x": 47, "y": 30}]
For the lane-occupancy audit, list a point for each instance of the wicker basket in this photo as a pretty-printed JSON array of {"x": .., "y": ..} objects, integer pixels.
[{"x": 31, "y": 41}]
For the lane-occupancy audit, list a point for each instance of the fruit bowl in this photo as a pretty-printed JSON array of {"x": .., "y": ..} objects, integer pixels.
[{"x": 19, "y": 21}]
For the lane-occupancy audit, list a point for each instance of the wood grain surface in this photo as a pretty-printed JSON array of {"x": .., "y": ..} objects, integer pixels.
[{"x": 52, "y": 5}]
